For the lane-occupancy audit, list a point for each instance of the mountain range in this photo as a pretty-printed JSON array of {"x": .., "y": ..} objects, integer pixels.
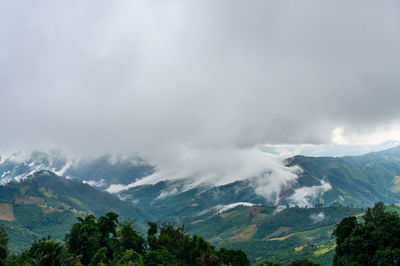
[{"x": 43, "y": 193}]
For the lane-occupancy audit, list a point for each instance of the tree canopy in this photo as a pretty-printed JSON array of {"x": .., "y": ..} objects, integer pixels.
[
  {"x": 372, "y": 239},
  {"x": 105, "y": 241}
]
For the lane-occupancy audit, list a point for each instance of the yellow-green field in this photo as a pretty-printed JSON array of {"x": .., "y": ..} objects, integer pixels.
[{"x": 6, "y": 212}]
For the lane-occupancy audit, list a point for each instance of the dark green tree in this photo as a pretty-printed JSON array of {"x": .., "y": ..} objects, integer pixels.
[
  {"x": 100, "y": 257},
  {"x": 131, "y": 257},
  {"x": 47, "y": 252},
  {"x": 233, "y": 257},
  {"x": 3, "y": 245},
  {"x": 104, "y": 241},
  {"x": 373, "y": 241},
  {"x": 108, "y": 225},
  {"x": 151, "y": 235},
  {"x": 130, "y": 239},
  {"x": 161, "y": 257},
  {"x": 84, "y": 238}
]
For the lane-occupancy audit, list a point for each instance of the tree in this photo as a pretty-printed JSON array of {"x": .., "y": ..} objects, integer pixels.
[
  {"x": 160, "y": 257},
  {"x": 151, "y": 235},
  {"x": 373, "y": 241},
  {"x": 233, "y": 257},
  {"x": 84, "y": 238},
  {"x": 104, "y": 241},
  {"x": 100, "y": 257},
  {"x": 131, "y": 257},
  {"x": 108, "y": 225},
  {"x": 130, "y": 239},
  {"x": 3, "y": 245},
  {"x": 47, "y": 252},
  {"x": 344, "y": 229}
]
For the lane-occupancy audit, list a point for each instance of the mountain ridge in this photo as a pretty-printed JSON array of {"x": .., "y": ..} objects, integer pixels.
[{"x": 46, "y": 203}]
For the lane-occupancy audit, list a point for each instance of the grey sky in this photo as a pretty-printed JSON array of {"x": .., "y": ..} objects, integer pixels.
[
  {"x": 167, "y": 78},
  {"x": 131, "y": 75}
]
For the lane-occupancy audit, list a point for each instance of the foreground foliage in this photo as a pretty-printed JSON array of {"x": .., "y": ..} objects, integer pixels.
[
  {"x": 372, "y": 240},
  {"x": 105, "y": 241}
]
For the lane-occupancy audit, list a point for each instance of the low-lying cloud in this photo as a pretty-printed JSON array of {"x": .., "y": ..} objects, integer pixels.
[
  {"x": 266, "y": 172},
  {"x": 304, "y": 196},
  {"x": 317, "y": 217}
]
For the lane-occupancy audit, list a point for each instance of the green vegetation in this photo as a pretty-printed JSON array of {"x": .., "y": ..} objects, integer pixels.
[
  {"x": 371, "y": 240},
  {"x": 105, "y": 241},
  {"x": 355, "y": 180},
  {"x": 3, "y": 245},
  {"x": 47, "y": 204},
  {"x": 266, "y": 234}
]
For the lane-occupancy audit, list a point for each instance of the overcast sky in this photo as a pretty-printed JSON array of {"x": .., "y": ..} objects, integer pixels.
[{"x": 178, "y": 76}]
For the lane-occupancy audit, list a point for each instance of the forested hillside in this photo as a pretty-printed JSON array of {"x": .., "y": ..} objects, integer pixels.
[
  {"x": 357, "y": 180},
  {"x": 47, "y": 204}
]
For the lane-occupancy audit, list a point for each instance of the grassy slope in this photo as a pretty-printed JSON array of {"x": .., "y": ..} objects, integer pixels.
[{"x": 278, "y": 236}]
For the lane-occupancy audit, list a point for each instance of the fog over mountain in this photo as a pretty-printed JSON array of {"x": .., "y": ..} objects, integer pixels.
[{"x": 196, "y": 88}]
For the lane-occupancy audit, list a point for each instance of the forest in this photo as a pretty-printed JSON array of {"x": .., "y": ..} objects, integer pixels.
[
  {"x": 105, "y": 241},
  {"x": 370, "y": 239}
]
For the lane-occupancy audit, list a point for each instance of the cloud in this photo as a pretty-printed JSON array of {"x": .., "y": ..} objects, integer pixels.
[
  {"x": 97, "y": 184},
  {"x": 303, "y": 196},
  {"x": 224, "y": 208},
  {"x": 267, "y": 173},
  {"x": 191, "y": 84},
  {"x": 376, "y": 136},
  {"x": 101, "y": 76},
  {"x": 317, "y": 217},
  {"x": 165, "y": 194}
]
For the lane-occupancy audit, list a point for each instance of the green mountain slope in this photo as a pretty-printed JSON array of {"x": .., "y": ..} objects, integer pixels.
[
  {"x": 267, "y": 233},
  {"x": 189, "y": 203},
  {"x": 47, "y": 204},
  {"x": 354, "y": 180},
  {"x": 358, "y": 180}
]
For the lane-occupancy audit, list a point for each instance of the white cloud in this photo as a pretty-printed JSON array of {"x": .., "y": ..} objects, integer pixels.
[
  {"x": 317, "y": 217},
  {"x": 97, "y": 184},
  {"x": 372, "y": 136},
  {"x": 266, "y": 172},
  {"x": 165, "y": 194},
  {"x": 303, "y": 196},
  {"x": 224, "y": 208}
]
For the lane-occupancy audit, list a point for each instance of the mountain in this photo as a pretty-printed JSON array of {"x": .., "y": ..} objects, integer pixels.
[
  {"x": 358, "y": 180},
  {"x": 100, "y": 171},
  {"x": 47, "y": 204},
  {"x": 36, "y": 202},
  {"x": 353, "y": 180},
  {"x": 168, "y": 200}
]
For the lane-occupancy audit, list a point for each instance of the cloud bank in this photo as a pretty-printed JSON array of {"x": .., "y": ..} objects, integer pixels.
[
  {"x": 266, "y": 172},
  {"x": 191, "y": 84}
]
